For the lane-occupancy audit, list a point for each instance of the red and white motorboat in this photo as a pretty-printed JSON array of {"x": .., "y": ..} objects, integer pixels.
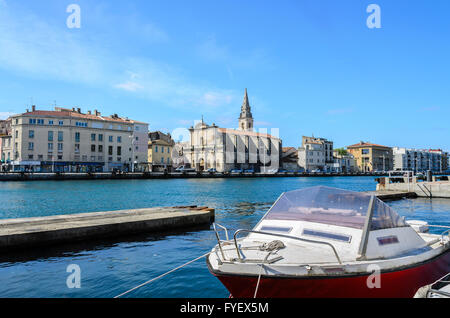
[{"x": 327, "y": 242}]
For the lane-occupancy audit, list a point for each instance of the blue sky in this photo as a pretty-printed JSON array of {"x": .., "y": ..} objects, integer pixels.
[{"x": 311, "y": 67}]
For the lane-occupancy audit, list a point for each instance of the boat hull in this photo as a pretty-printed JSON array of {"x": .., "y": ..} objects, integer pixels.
[{"x": 401, "y": 283}]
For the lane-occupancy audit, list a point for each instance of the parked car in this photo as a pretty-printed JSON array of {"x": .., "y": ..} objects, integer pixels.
[
  {"x": 184, "y": 169},
  {"x": 249, "y": 171},
  {"x": 236, "y": 171},
  {"x": 316, "y": 171},
  {"x": 212, "y": 170},
  {"x": 269, "y": 170}
]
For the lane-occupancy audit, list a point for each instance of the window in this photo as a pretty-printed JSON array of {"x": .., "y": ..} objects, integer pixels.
[
  {"x": 60, "y": 147},
  {"x": 110, "y": 138},
  {"x": 80, "y": 124},
  {"x": 84, "y": 158},
  {"x": 162, "y": 149},
  {"x": 50, "y": 157},
  {"x": 110, "y": 159},
  {"x": 17, "y": 134},
  {"x": 40, "y": 121},
  {"x": 31, "y": 134},
  {"x": 92, "y": 148},
  {"x": 100, "y": 137},
  {"x": 77, "y": 147},
  {"x": 50, "y": 147},
  {"x": 119, "y": 151},
  {"x": 50, "y": 122},
  {"x": 110, "y": 150},
  {"x": 92, "y": 158},
  {"x": 100, "y": 148},
  {"x": 92, "y": 137},
  {"x": 60, "y": 157},
  {"x": 328, "y": 235},
  {"x": 77, "y": 137},
  {"x": 60, "y": 135},
  {"x": 137, "y": 138},
  {"x": 30, "y": 146},
  {"x": 41, "y": 157},
  {"x": 156, "y": 148},
  {"x": 61, "y": 122},
  {"x": 162, "y": 159},
  {"x": 50, "y": 136},
  {"x": 119, "y": 139},
  {"x": 32, "y": 121},
  {"x": 119, "y": 159},
  {"x": 365, "y": 151}
]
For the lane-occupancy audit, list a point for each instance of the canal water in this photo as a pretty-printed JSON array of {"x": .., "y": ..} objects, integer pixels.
[{"x": 110, "y": 267}]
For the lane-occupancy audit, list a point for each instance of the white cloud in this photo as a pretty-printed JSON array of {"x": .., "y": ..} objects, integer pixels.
[
  {"x": 212, "y": 51},
  {"x": 31, "y": 46},
  {"x": 162, "y": 83},
  {"x": 34, "y": 48},
  {"x": 5, "y": 115},
  {"x": 129, "y": 86}
]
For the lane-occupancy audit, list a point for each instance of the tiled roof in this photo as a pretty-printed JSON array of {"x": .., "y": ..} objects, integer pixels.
[
  {"x": 74, "y": 114},
  {"x": 366, "y": 144}
]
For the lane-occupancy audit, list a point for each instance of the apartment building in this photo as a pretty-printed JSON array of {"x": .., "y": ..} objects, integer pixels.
[
  {"x": 160, "y": 148},
  {"x": 417, "y": 160},
  {"x": 371, "y": 157},
  {"x": 68, "y": 140},
  {"x": 315, "y": 154}
]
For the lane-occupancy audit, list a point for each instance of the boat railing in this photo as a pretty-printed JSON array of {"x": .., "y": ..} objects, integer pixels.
[
  {"x": 219, "y": 241},
  {"x": 283, "y": 236}
]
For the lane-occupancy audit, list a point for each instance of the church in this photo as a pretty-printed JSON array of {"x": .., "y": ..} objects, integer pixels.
[{"x": 223, "y": 149}]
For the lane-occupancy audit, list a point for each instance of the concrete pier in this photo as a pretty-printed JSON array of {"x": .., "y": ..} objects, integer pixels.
[
  {"x": 31, "y": 232},
  {"x": 392, "y": 195},
  {"x": 438, "y": 188}
]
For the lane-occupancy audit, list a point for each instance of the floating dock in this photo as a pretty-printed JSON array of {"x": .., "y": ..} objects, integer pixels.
[{"x": 38, "y": 231}]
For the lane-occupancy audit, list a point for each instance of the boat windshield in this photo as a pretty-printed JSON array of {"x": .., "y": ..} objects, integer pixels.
[{"x": 335, "y": 207}]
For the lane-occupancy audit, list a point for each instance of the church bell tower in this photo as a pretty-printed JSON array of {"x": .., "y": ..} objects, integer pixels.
[{"x": 246, "y": 118}]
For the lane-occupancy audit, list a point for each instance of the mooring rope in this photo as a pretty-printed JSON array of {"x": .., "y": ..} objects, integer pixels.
[{"x": 161, "y": 276}]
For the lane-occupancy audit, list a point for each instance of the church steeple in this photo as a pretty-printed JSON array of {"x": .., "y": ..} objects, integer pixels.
[{"x": 246, "y": 118}]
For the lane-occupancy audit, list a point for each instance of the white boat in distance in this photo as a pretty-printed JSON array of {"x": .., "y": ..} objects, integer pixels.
[{"x": 328, "y": 242}]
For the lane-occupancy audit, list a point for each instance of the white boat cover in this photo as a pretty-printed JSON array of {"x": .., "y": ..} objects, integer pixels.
[{"x": 335, "y": 207}]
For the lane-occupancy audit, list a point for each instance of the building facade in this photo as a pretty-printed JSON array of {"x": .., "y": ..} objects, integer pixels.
[
  {"x": 418, "y": 160},
  {"x": 372, "y": 157},
  {"x": 289, "y": 159},
  {"x": 68, "y": 140},
  {"x": 344, "y": 162},
  {"x": 160, "y": 147},
  {"x": 222, "y": 149},
  {"x": 315, "y": 154}
]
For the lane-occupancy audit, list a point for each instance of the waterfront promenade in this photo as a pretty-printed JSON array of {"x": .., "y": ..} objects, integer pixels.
[{"x": 26, "y": 176}]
